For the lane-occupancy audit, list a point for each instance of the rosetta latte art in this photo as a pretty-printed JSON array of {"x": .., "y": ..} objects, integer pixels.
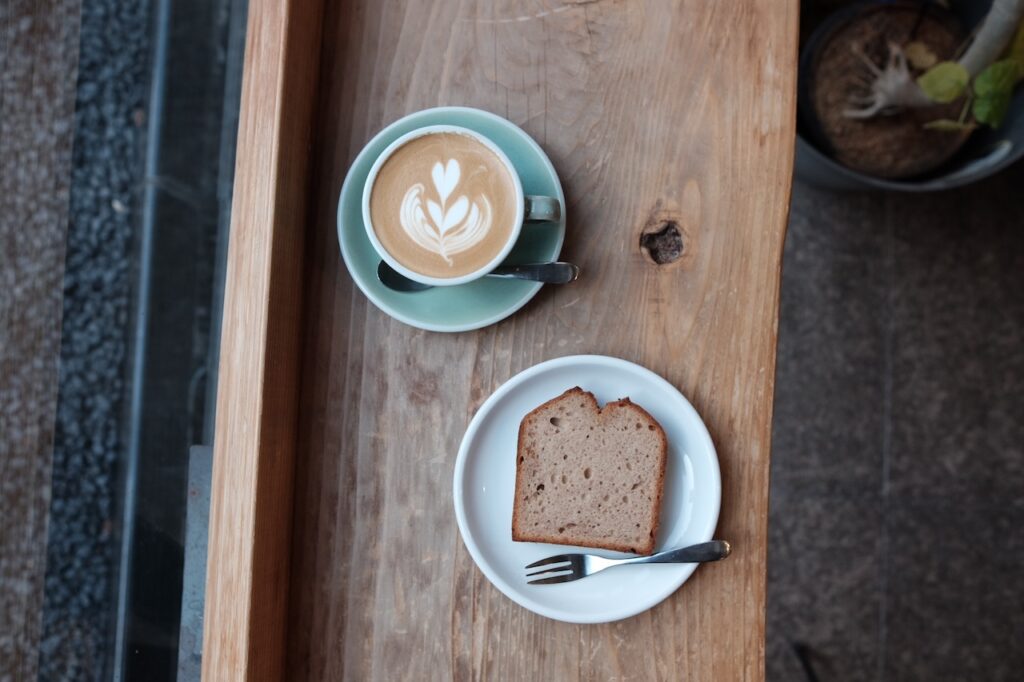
[{"x": 448, "y": 227}]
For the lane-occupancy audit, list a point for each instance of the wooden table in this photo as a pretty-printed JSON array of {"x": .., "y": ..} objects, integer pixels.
[{"x": 334, "y": 549}]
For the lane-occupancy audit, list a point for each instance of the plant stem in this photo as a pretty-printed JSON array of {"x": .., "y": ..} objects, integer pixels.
[
  {"x": 994, "y": 35},
  {"x": 967, "y": 107}
]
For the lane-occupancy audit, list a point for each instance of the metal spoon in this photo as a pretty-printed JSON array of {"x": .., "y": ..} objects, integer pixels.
[{"x": 549, "y": 273}]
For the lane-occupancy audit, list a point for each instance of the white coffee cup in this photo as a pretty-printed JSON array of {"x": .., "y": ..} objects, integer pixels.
[{"x": 529, "y": 208}]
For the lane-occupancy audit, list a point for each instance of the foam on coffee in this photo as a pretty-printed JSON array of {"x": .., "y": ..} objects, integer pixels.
[{"x": 443, "y": 205}]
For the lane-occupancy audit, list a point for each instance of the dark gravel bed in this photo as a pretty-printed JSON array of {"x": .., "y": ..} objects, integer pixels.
[{"x": 98, "y": 286}]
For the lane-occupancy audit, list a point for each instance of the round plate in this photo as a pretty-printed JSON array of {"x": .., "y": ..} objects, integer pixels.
[
  {"x": 485, "y": 481},
  {"x": 480, "y": 302}
]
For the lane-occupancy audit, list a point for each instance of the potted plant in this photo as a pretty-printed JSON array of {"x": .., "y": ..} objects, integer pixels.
[{"x": 911, "y": 95}]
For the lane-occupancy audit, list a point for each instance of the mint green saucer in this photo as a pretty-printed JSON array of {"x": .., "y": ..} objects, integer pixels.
[{"x": 466, "y": 306}]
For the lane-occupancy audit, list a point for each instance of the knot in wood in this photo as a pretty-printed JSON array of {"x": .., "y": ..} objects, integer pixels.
[{"x": 664, "y": 245}]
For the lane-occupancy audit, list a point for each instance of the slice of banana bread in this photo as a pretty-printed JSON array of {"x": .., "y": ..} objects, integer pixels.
[{"x": 589, "y": 476}]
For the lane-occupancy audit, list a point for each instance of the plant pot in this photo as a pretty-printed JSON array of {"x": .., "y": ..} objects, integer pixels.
[{"x": 984, "y": 153}]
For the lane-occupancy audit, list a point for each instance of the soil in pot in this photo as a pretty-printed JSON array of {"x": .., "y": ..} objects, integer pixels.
[{"x": 887, "y": 146}]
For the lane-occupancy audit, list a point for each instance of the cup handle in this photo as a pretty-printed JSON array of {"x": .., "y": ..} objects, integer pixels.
[{"x": 542, "y": 209}]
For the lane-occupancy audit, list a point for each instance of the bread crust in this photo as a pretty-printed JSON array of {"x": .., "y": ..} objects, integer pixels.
[{"x": 522, "y": 534}]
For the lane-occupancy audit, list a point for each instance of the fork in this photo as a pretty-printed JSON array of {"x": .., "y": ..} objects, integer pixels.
[{"x": 565, "y": 568}]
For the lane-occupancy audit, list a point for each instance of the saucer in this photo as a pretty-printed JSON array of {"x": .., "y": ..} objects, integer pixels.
[
  {"x": 477, "y": 303},
  {"x": 484, "y": 486}
]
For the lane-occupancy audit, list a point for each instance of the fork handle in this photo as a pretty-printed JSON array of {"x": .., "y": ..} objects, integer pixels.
[{"x": 694, "y": 554}]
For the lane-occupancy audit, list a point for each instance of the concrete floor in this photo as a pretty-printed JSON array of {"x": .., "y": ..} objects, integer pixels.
[{"x": 898, "y": 454}]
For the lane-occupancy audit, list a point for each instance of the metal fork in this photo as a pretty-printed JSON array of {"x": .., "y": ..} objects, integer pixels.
[{"x": 568, "y": 567}]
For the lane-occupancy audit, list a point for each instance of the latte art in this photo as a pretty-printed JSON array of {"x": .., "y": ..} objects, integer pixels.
[
  {"x": 444, "y": 205},
  {"x": 446, "y": 228}
]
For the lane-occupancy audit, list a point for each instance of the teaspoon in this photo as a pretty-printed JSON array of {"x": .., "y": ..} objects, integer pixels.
[{"x": 549, "y": 273}]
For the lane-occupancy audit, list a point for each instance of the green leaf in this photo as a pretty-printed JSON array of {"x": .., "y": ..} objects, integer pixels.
[
  {"x": 993, "y": 89},
  {"x": 948, "y": 125},
  {"x": 944, "y": 82},
  {"x": 998, "y": 77},
  {"x": 1016, "y": 51},
  {"x": 991, "y": 110}
]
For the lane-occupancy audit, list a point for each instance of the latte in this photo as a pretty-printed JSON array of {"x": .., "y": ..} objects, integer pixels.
[{"x": 444, "y": 205}]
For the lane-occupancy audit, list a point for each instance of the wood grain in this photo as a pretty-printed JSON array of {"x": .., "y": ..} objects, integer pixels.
[
  {"x": 38, "y": 71},
  {"x": 651, "y": 111},
  {"x": 254, "y": 443}
]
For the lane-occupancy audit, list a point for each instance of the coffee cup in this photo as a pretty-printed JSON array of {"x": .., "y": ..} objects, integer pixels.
[{"x": 443, "y": 205}]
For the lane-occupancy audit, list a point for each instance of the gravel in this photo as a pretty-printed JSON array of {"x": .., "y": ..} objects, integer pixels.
[{"x": 98, "y": 285}]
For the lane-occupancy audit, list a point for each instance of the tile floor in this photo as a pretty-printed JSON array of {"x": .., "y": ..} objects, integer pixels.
[{"x": 897, "y": 502}]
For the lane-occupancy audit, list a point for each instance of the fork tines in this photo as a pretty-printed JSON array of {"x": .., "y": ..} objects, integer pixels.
[
  {"x": 560, "y": 578},
  {"x": 555, "y": 569},
  {"x": 557, "y": 559}
]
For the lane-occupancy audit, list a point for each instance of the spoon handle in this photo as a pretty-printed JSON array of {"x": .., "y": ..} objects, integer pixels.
[{"x": 549, "y": 273}]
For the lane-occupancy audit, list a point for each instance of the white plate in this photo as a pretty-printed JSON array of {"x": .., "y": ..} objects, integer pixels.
[{"x": 485, "y": 480}]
